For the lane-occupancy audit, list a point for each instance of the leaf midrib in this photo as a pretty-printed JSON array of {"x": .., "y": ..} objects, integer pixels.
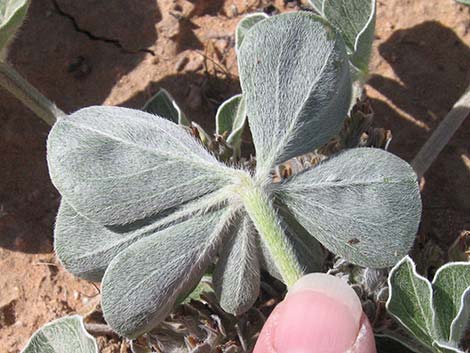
[
  {"x": 158, "y": 153},
  {"x": 289, "y": 133}
]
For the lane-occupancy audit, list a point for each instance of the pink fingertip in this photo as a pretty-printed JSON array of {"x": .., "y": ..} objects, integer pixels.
[{"x": 319, "y": 315}]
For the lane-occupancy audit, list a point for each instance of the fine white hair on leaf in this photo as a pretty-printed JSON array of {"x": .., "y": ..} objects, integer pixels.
[
  {"x": 142, "y": 283},
  {"x": 67, "y": 334},
  {"x": 86, "y": 248},
  {"x": 237, "y": 274},
  {"x": 362, "y": 204},
  {"x": 295, "y": 101},
  {"x": 116, "y": 165}
]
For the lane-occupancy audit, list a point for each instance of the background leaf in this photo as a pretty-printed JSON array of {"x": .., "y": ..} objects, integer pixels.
[
  {"x": 410, "y": 301},
  {"x": 295, "y": 101},
  {"x": 12, "y": 14},
  {"x": 355, "y": 20},
  {"x": 237, "y": 273},
  {"x": 65, "y": 335},
  {"x": 465, "y": 2},
  {"x": 362, "y": 204},
  {"x": 398, "y": 340},
  {"x": 444, "y": 347},
  {"x": 231, "y": 120},
  {"x": 164, "y": 105},
  {"x": 117, "y": 165},
  {"x": 308, "y": 251},
  {"x": 204, "y": 286},
  {"x": 142, "y": 283},
  {"x": 245, "y": 25},
  {"x": 449, "y": 285},
  {"x": 86, "y": 248},
  {"x": 461, "y": 321}
]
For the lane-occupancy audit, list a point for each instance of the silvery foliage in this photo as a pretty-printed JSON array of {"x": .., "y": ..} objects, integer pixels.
[
  {"x": 465, "y": 2},
  {"x": 230, "y": 121},
  {"x": 435, "y": 314},
  {"x": 64, "y": 335},
  {"x": 12, "y": 14},
  {"x": 147, "y": 209},
  {"x": 163, "y": 104},
  {"x": 244, "y": 26},
  {"x": 355, "y": 20}
]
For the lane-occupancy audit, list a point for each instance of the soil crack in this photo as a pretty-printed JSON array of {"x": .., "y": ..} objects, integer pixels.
[{"x": 94, "y": 37}]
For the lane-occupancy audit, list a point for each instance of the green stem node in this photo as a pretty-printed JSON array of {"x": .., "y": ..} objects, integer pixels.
[{"x": 260, "y": 209}]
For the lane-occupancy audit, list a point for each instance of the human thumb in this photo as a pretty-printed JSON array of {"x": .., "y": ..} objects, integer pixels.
[{"x": 321, "y": 314}]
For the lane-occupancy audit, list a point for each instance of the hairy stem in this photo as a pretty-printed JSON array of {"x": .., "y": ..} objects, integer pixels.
[
  {"x": 13, "y": 82},
  {"x": 441, "y": 136},
  {"x": 266, "y": 221}
]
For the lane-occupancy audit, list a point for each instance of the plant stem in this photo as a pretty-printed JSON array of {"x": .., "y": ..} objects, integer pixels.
[
  {"x": 441, "y": 136},
  {"x": 13, "y": 82},
  {"x": 261, "y": 212}
]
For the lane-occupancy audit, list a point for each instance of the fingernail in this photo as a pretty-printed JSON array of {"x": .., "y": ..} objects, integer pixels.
[{"x": 321, "y": 313}]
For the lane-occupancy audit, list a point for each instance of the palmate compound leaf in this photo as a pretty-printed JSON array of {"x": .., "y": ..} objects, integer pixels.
[
  {"x": 362, "y": 204},
  {"x": 65, "y": 335},
  {"x": 86, "y": 248},
  {"x": 164, "y": 105},
  {"x": 450, "y": 300},
  {"x": 12, "y": 14},
  {"x": 116, "y": 165},
  {"x": 410, "y": 301},
  {"x": 245, "y": 25},
  {"x": 297, "y": 90},
  {"x": 142, "y": 283}
]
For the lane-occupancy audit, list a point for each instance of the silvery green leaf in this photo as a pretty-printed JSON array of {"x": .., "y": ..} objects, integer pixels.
[
  {"x": 267, "y": 261},
  {"x": 142, "y": 283},
  {"x": 86, "y": 248},
  {"x": 245, "y": 24},
  {"x": 12, "y": 14},
  {"x": 308, "y": 251},
  {"x": 355, "y": 20},
  {"x": 362, "y": 204},
  {"x": 461, "y": 321},
  {"x": 465, "y": 2},
  {"x": 163, "y": 104},
  {"x": 65, "y": 335},
  {"x": 445, "y": 347},
  {"x": 116, "y": 165},
  {"x": 410, "y": 301},
  {"x": 449, "y": 285},
  {"x": 231, "y": 120},
  {"x": 237, "y": 273},
  {"x": 296, "y": 101}
]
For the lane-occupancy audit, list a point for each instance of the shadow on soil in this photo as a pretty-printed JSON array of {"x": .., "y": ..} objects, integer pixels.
[
  {"x": 75, "y": 53},
  {"x": 431, "y": 63}
]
